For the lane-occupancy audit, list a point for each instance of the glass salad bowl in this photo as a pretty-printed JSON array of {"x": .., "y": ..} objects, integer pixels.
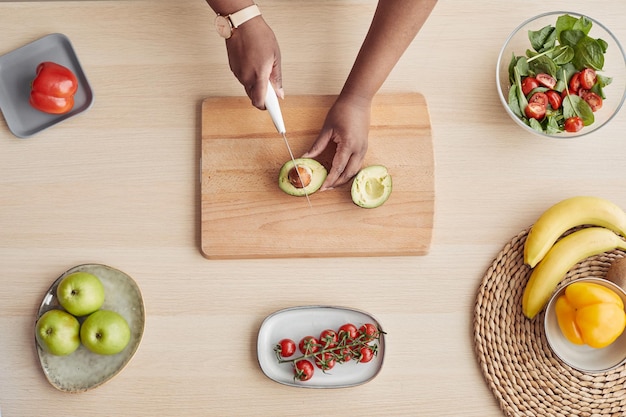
[{"x": 561, "y": 44}]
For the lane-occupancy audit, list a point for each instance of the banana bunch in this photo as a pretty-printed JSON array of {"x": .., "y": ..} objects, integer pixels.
[{"x": 552, "y": 259}]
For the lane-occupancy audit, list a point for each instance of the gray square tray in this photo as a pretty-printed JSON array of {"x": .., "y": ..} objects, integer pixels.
[{"x": 17, "y": 70}]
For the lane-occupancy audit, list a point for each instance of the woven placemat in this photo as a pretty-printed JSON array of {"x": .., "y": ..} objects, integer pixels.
[{"x": 515, "y": 359}]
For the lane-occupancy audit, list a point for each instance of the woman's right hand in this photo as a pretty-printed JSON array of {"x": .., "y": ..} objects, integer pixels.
[{"x": 254, "y": 57}]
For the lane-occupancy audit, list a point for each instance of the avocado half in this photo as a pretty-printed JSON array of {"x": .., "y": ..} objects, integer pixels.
[
  {"x": 311, "y": 172},
  {"x": 371, "y": 187}
]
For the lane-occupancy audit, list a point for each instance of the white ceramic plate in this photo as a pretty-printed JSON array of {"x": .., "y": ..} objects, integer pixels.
[
  {"x": 17, "y": 71},
  {"x": 298, "y": 322},
  {"x": 84, "y": 370},
  {"x": 584, "y": 357}
]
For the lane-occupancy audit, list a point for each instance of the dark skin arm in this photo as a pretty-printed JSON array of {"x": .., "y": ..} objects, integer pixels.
[
  {"x": 395, "y": 25},
  {"x": 254, "y": 57},
  {"x": 253, "y": 53}
]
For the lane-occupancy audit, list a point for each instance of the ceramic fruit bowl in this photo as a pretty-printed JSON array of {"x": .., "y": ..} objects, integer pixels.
[{"x": 583, "y": 357}]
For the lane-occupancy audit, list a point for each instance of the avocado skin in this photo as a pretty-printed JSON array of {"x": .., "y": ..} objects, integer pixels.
[
  {"x": 371, "y": 187},
  {"x": 318, "y": 175}
]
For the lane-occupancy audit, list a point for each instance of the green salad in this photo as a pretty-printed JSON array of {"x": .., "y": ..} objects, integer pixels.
[{"x": 557, "y": 86}]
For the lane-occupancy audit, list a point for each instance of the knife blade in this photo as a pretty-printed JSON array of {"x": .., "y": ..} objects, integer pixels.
[{"x": 273, "y": 108}]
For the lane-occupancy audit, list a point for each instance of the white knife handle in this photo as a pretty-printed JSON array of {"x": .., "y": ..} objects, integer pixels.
[{"x": 272, "y": 106}]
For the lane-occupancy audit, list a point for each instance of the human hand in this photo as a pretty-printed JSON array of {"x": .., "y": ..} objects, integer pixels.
[
  {"x": 254, "y": 57},
  {"x": 347, "y": 125}
]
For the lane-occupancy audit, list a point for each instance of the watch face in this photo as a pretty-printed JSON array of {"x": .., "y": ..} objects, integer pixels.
[{"x": 222, "y": 25}]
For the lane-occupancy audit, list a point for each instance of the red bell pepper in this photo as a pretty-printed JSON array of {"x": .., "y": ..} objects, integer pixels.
[{"x": 53, "y": 89}]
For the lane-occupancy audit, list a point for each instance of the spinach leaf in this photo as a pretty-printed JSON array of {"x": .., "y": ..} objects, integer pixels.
[
  {"x": 588, "y": 53},
  {"x": 552, "y": 125},
  {"x": 519, "y": 66},
  {"x": 573, "y": 105},
  {"x": 542, "y": 39},
  {"x": 583, "y": 24},
  {"x": 565, "y": 74},
  {"x": 602, "y": 81},
  {"x": 542, "y": 64},
  {"x": 514, "y": 101},
  {"x": 535, "y": 125},
  {"x": 571, "y": 37},
  {"x": 563, "y": 54},
  {"x": 517, "y": 100},
  {"x": 565, "y": 22}
]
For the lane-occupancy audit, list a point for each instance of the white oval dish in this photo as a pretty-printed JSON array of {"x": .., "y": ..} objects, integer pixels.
[
  {"x": 583, "y": 357},
  {"x": 297, "y": 322},
  {"x": 84, "y": 370}
]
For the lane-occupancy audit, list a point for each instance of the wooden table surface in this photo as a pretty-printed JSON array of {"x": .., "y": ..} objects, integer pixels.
[{"x": 118, "y": 185}]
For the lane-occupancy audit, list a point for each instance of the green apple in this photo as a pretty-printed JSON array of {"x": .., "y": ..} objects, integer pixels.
[
  {"x": 80, "y": 293},
  {"x": 58, "y": 332},
  {"x": 105, "y": 332}
]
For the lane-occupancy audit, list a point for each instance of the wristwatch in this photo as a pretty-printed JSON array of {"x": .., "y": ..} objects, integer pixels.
[{"x": 226, "y": 24}]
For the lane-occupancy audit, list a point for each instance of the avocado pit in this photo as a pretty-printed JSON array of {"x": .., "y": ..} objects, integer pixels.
[
  {"x": 311, "y": 177},
  {"x": 300, "y": 176}
]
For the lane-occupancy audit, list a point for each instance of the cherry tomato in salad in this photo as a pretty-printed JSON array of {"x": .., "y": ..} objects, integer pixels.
[
  {"x": 328, "y": 338},
  {"x": 546, "y": 80},
  {"x": 347, "y": 332},
  {"x": 285, "y": 348},
  {"x": 309, "y": 345},
  {"x": 535, "y": 110},
  {"x": 366, "y": 354},
  {"x": 368, "y": 332},
  {"x": 587, "y": 78},
  {"x": 540, "y": 98},
  {"x": 529, "y": 84},
  {"x": 303, "y": 370},
  {"x": 325, "y": 361},
  {"x": 573, "y": 124},
  {"x": 574, "y": 83},
  {"x": 594, "y": 100},
  {"x": 554, "y": 98},
  {"x": 568, "y": 91}
]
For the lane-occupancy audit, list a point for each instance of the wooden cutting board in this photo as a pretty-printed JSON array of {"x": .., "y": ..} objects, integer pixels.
[{"x": 245, "y": 215}]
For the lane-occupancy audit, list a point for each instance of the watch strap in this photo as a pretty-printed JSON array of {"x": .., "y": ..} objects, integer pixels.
[{"x": 243, "y": 15}]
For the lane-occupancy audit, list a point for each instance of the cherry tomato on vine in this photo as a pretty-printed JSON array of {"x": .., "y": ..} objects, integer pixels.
[
  {"x": 587, "y": 78},
  {"x": 303, "y": 370},
  {"x": 328, "y": 338},
  {"x": 546, "y": 80},
  {"x": 366, "y": 354},
  {"x": 325, "y": 361},
  {"x": 368, "y": 332},
  {"x": 347, "y": 331},
  {"x": 529, "y": 84},
  {"x": 285, "y": 348},
  {"x": 554, "y": 98},
  {"x": 343, "y": 354},
  {"x": 573, "y": 124},
  {"x": 309, "y": 345}
]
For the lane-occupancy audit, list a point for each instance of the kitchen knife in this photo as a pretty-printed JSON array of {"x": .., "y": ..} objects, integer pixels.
[{"x": 272, "y": 106}]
